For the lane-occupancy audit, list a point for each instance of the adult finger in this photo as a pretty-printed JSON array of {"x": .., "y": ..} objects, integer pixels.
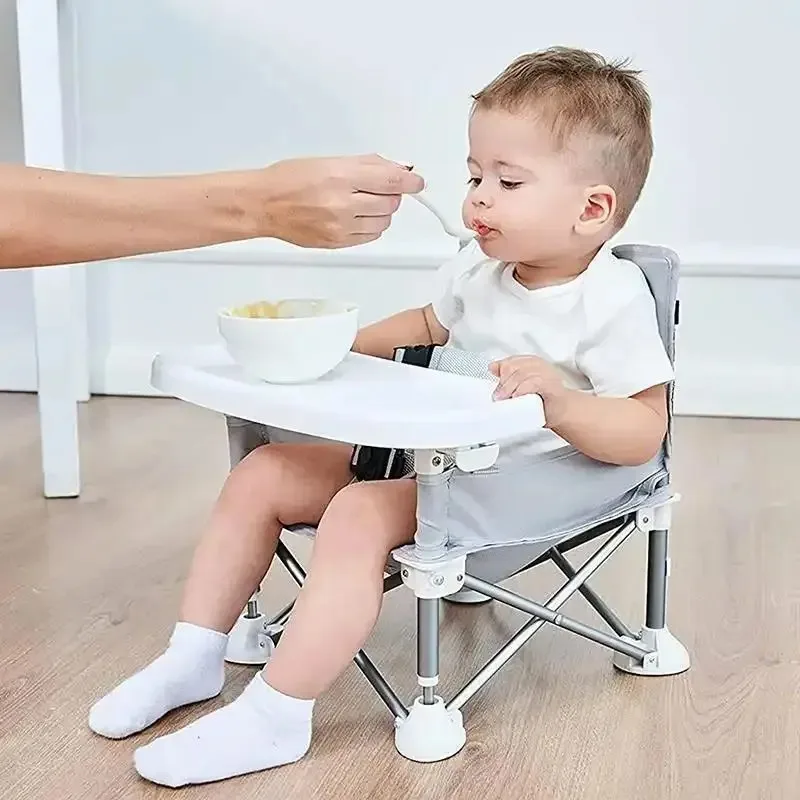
[
  {"x": 356, "y": 239},
  {"x": 374, "y": 205},
  {"x": 386, "y": 177},
  {"x": 369, "y": 225}
]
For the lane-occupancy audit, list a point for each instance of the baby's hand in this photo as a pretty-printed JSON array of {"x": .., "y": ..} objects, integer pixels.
[{"x": 519, "y": 375}]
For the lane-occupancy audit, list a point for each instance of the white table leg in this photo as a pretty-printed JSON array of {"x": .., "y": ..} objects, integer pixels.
[
  {"x": 80, "y": 339},
  {"x": 58, "y": 410},
  {"x": 53, "y": 288}
]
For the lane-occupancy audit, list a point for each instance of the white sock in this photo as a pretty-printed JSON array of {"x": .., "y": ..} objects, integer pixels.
[
  {"x": 191, "y": 669},
  {"x": 259, "y": 730}
]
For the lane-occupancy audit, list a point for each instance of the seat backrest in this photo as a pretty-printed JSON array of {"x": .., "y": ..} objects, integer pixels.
[{"x": 661, "y": 268}]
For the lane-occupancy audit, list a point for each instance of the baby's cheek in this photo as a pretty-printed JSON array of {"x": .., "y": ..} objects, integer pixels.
[{"x": 520, "y": 233}]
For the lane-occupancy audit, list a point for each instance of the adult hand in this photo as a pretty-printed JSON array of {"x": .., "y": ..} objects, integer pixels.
[{"x": 330, "y": 202}]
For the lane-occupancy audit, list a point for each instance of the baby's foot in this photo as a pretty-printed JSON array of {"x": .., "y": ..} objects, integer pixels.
[
  {"x": 191, "y": 669},
  {"x": 259, "y": 730}
]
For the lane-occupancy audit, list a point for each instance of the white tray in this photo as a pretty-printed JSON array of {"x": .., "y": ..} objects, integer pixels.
[{"x": 365, "y": 400}]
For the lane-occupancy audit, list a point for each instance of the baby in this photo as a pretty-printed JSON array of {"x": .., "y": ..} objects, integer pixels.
[{"x": 559, "y": 149}]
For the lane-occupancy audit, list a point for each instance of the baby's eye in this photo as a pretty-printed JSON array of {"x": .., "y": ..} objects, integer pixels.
[
  {"x": 474, "y": 182},
  {"x": 511, "y": 184}
]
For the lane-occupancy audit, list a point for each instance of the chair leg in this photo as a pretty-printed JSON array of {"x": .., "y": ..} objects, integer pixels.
[
  {"x": 667, "y": 656},
  {"x": 430, "y": 732},
  {"x": 249, "y": 641}
]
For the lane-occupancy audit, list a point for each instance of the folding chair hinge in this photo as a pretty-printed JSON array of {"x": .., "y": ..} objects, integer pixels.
[
  {"x": 433, "y": 579},
  {"x": 429, "y": 462},
  {"x": 658, "y": 518},
  {"x": 467, "y": 459},
  {"x": 644, "y": 519}
]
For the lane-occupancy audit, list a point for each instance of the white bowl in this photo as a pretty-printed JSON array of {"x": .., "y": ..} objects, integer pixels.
[{"x": 307, "y": 339}]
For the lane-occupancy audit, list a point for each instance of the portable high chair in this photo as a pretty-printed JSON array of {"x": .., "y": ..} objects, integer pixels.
[{"x": 452, "y": 426}]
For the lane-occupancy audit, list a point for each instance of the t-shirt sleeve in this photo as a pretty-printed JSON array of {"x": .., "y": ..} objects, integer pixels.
[
  {"x": 446, "y": 299},
  {"x": 627, "y": 354}
]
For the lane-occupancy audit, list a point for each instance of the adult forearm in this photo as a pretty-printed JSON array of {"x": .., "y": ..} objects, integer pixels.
[
  {"x": 49, "y": 217},
  {"x": 614, "y": 430}
]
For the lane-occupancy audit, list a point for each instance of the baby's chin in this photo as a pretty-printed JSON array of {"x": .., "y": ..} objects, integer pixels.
[{"x": 497, "y": 246}]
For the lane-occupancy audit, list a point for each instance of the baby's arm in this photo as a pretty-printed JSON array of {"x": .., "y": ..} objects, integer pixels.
[
  {"x": 407, "y": 328},
  {"x": 624, "y": 419},
  {"x": 617, "y": 430}
]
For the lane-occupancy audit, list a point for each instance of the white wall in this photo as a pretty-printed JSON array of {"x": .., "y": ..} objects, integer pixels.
[{"x": 180, "y": 85}]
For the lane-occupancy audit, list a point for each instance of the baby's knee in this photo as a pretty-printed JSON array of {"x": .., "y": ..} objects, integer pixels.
[
  {"x": 354, "y": 504},
  {"x": 363, "y": 517},
  {"x": 265, "y": 465}
]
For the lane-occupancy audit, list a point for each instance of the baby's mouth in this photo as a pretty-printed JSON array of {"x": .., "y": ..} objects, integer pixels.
[{"x": 481, "y": 229}]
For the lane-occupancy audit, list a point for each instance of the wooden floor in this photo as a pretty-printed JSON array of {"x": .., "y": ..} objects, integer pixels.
[{"x": 89, "y": 590}]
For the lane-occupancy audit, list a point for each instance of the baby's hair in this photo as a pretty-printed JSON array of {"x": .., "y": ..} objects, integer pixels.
[{"x": 581, "y": 95}]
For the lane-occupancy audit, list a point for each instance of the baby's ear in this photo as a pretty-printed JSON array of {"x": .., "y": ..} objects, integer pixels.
[{"x": 600, "y": 203}]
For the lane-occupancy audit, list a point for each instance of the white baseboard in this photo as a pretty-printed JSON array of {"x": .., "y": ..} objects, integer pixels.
[
  {"x": 720, "y": 390},
  {"x": 730, "y": 390},
  {"x": 123, "y": 371},
  {"x": 17, "y": 369}
]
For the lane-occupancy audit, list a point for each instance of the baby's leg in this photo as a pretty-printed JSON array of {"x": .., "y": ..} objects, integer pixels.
[
  {"x": 341, "y": 598},
  {"x": 269, "y": 724},
  {"x": 274, "y": 486}
]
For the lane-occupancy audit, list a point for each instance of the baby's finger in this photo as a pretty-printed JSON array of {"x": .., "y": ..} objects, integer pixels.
[
  {"x": 530, "y": 385},
  {"x": 507, "y": 386},
  {"x": 508, "y": 365}
]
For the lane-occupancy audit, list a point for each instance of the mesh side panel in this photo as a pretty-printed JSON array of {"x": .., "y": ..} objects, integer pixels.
[{"x": 461, "y": 362}]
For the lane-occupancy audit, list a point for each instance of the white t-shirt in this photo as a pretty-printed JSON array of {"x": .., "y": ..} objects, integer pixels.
[{"x": 599, "y": 329}]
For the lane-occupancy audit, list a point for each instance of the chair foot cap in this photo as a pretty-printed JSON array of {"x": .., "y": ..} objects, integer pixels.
[
  {"x": 249, "y": 641},
  {"x": 667, "y": 657},
  {"x": 430, "y": 732}
]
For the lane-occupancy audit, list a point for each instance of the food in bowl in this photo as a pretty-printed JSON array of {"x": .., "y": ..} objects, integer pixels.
[
  {"x": 263, "y": 309},
  {"x": 284, "y": 309},
  {"x": 294, "y": 340}
]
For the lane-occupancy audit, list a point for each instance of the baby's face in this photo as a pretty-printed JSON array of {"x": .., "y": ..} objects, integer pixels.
[{"x": 524, "y": 198}]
